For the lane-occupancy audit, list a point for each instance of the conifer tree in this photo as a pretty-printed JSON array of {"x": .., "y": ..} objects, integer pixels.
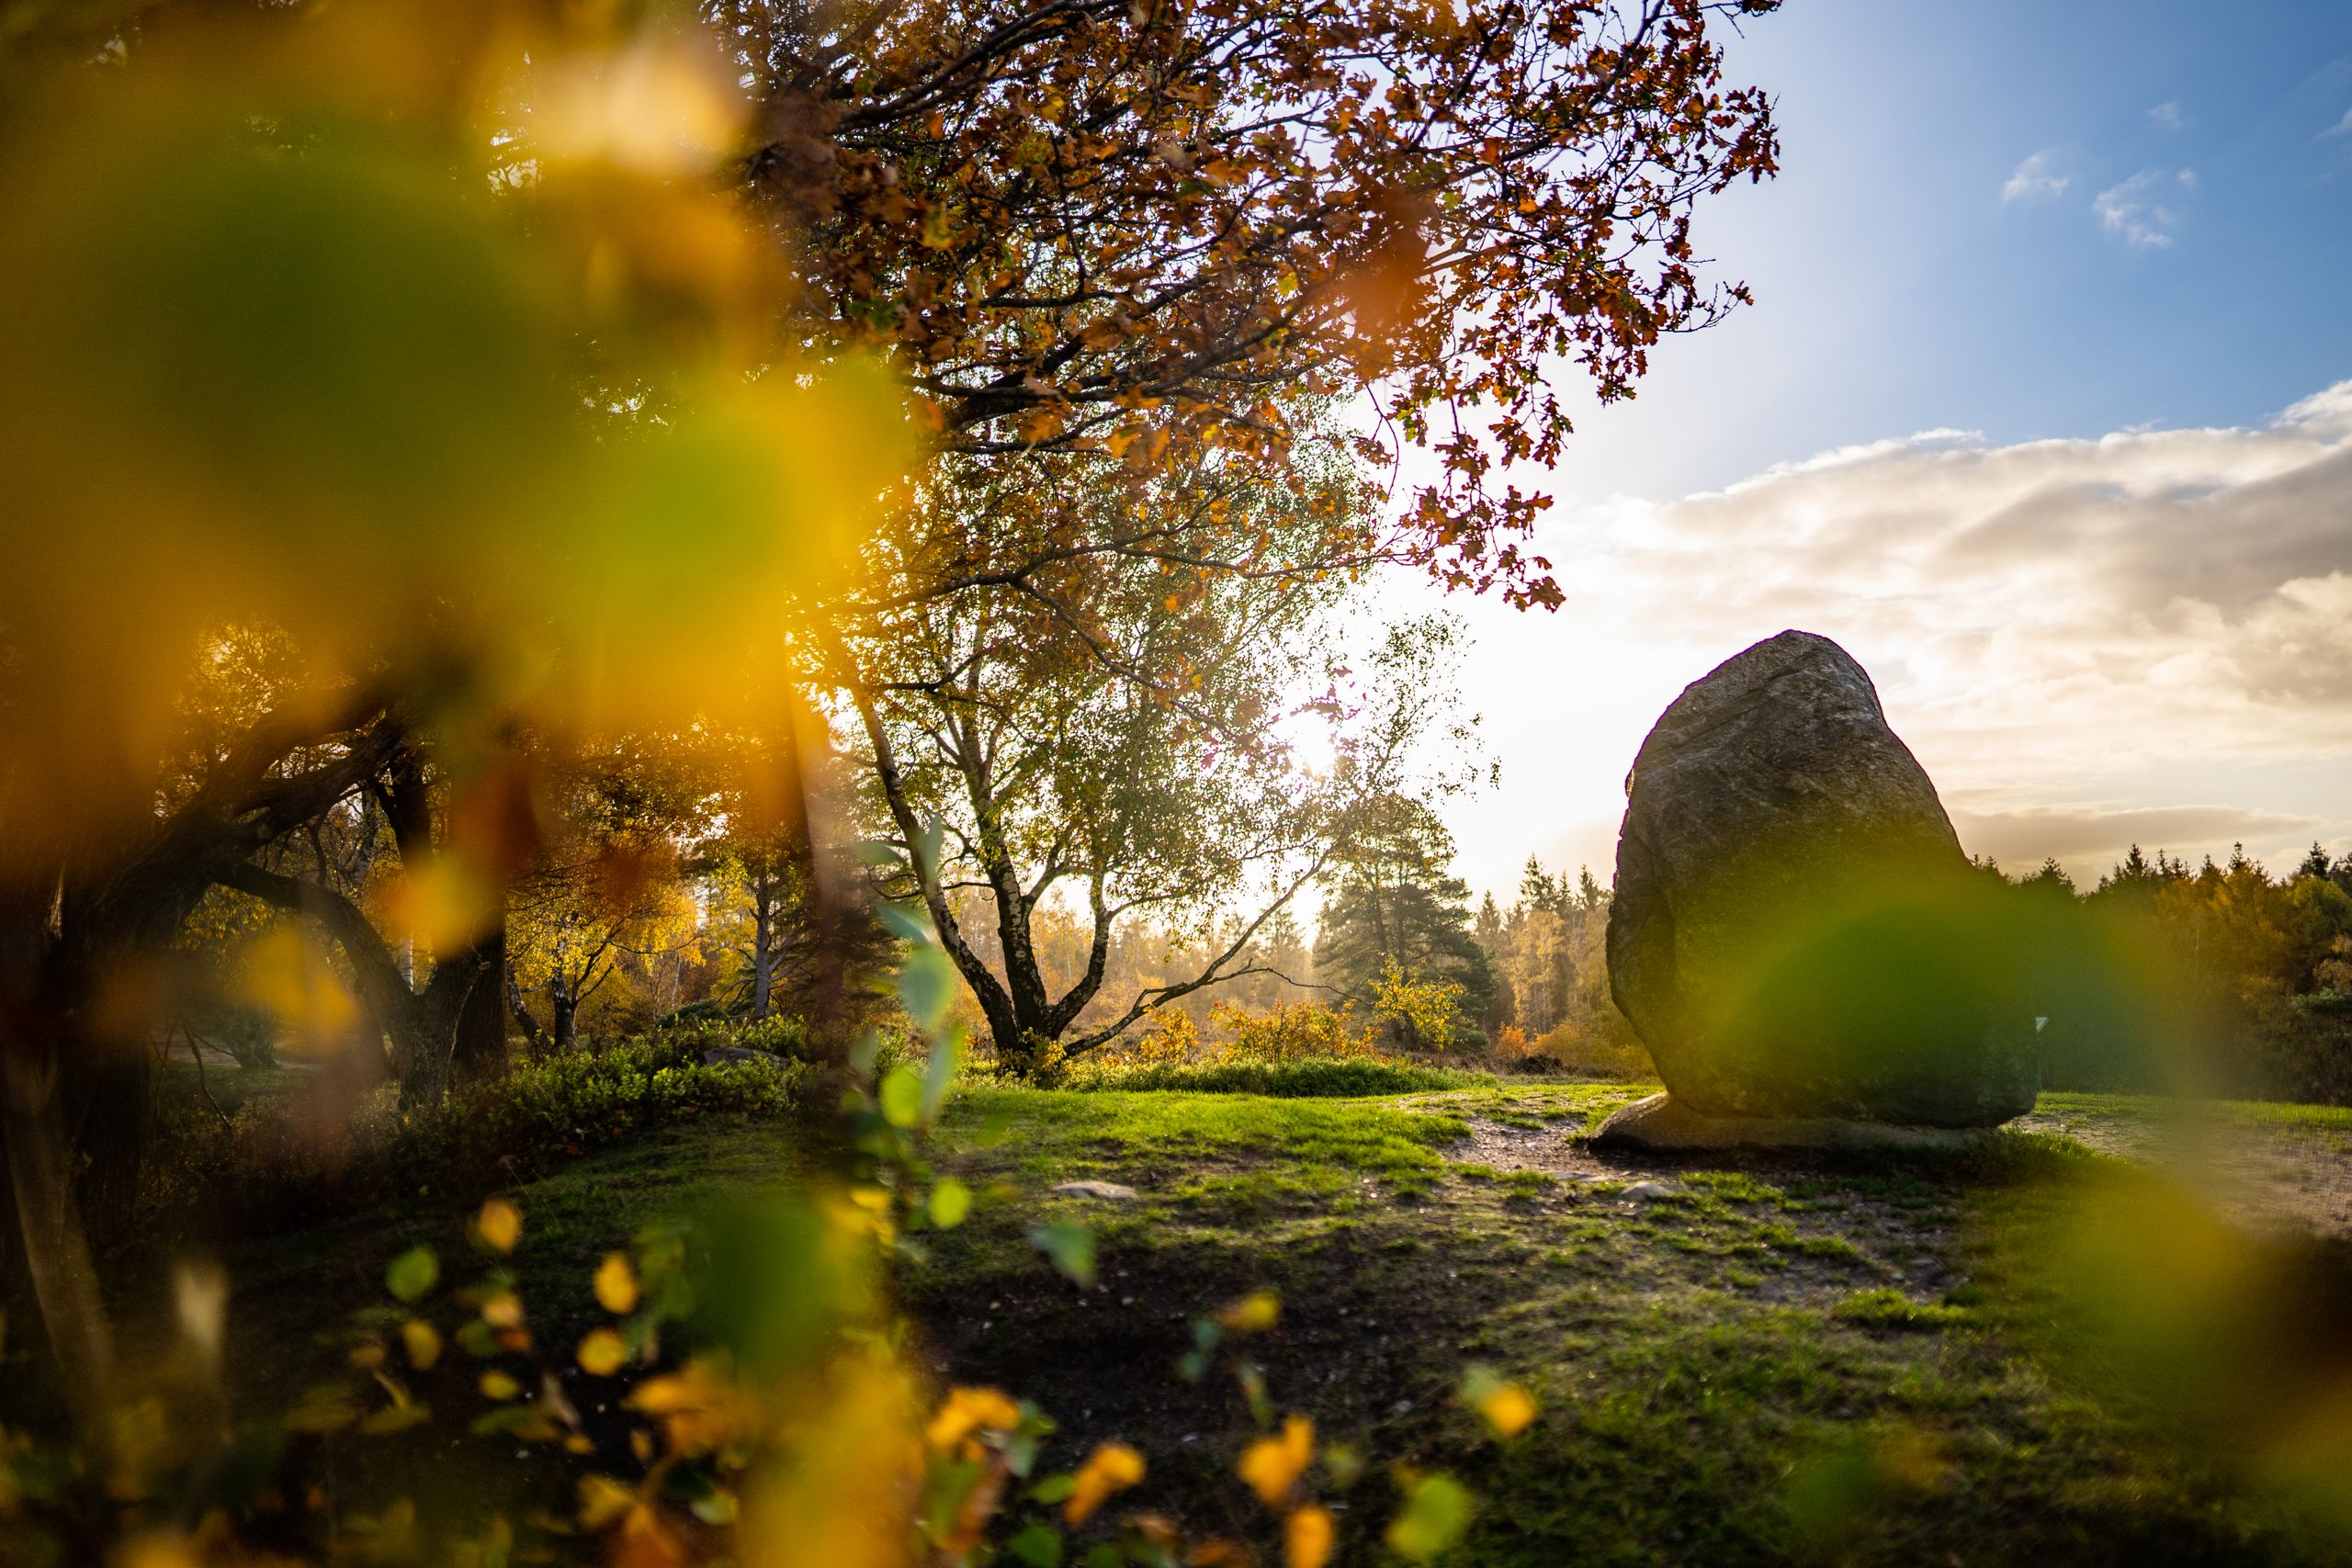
[{"x": 1397, "y": 901}]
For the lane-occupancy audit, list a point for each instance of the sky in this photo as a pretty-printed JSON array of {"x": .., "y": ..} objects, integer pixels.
[{"x": 2043, "y": 411}]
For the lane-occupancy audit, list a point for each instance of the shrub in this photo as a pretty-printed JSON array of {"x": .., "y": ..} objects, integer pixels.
[
  {"x": 1590, "y": 1053},
  {"x": 1422, "y": 1013},
  {"x": 1304, "y": 1077},
  {"x": 1173, "y": 1037},
  {"x": 1298, "y": 1032},
  {"x": 268, "y": 1163}
]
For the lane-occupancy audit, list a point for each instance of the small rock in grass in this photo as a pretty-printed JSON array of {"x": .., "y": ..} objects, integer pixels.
[
  {"x": 1649, "y": 1192},
  {"x": 1110, "y": 1191}
]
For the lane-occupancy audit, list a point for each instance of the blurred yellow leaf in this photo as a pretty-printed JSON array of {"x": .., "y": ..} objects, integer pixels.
[
  {"x": 1110, "y": 1468},
  {"x": 845, "y": 1498},
  {"x": 285, "y": 973},
  {"x": 659, "y": 107},
  {"x": 268, "y": 357},
  {"x": 966, "y": 1410},
  {"x": 1308, "y": 1537},
  {"x": 499, "y": 1224},
  {"x": 1507, "y": 1410},
  {"x": 1253, "y": 1314},
  {"x": 159, "y": 1550},
  {"x": 601, "y": 1353},
  {"x": 616, "y": 1285},
  {"x": 200, "y": 1290},
  {"x": 1506, "y": 1407},
  {"x": 603, "y": 1500},
  {"x": 1273, "y": 1465},
  {"x": 498, "y": 1385},
  {"x": 448, "y": 902},
  {"x": 422, "y": 1342}
]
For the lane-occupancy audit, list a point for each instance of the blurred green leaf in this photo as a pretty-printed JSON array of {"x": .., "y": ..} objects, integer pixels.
[
  {"x": 901, "y": 1097},
  {"x": 413, "y": 1273},
  {"x": 926, "y": 987},
  {"x": 950, "y": 1202},
  {"x": 863, "y": 1053},
  {"x": 1054, "y": 1488},
  {"x": 907, "y": 922},
  {"x": 939, "y": 1071},
  {"x": 1436, "y": 1511},
  {"x": 774, "y": 1279},
  {"x": 1040, "y": 1546},
  {"x": 1070, "y": 1246},
  {"x": 393, "y": 1419},
  {"x": 324, "y": 1407}
]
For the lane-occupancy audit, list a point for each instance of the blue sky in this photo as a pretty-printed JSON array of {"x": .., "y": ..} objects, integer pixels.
[
  {"x": 1898, "y": 290},
  {"x": 2000, "y": 226}
]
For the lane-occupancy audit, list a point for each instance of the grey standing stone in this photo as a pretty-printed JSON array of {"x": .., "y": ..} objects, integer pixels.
[{"x": 1795, "y": 932}]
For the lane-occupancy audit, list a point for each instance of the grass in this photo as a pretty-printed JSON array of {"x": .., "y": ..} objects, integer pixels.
[
  {"x": 2240, "y": 1112},
  {"x": 1775, "y": 1359}
]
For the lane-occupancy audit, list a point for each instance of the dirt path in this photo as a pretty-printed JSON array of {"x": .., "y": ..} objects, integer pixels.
[
  {"x": 2254, "y": 1161},
  {"x": 2258, "y": 1162}
]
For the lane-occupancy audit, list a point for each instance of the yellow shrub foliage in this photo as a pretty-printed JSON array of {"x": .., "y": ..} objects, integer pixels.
[{"x": 1291, "y": 1032}]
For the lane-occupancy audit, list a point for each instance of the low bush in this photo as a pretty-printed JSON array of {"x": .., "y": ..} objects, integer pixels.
[
  {"x": 1303, "y": 1077},
  {"x": 282, "y": 1159},
  {"x": 1611, "y": 1052}
]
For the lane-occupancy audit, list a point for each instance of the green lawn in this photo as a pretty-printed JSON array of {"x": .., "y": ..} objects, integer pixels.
[{"x": 1740, "y": 1359}]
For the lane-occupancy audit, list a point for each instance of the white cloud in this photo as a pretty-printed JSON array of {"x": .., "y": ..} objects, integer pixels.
[
  {"x": 2168, "y": 116},
  {"x": 2341, "y": 127},
  {"x": 2040, "y": 177},
  {"x": 2140, "y": 636},
  {"x": 2147, "y": 210}
]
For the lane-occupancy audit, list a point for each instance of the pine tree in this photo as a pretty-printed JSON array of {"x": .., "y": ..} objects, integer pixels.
[
  {"x": 1590, "y": 894},
  {"x": 1398, "y": 902},
  {"x": 1538, "y": 889}
]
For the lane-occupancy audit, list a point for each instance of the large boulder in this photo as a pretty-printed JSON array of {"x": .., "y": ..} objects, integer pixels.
[{"x": 1795, "y": 932}]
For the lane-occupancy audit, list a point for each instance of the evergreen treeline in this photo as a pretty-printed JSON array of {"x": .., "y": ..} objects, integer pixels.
[
  {"x": 2219, "y": 978},
  {"x": 1551, "y": 1005}
]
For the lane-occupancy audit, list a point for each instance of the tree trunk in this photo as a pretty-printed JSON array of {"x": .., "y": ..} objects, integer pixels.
[
  {"x": 764, "y": 902},
  {"x": 478, "y": 1052},
  {"x": 565, "y": 1006},
  {"x": 110, "y": 1092},
  {"x": 534, "y": 1037}
]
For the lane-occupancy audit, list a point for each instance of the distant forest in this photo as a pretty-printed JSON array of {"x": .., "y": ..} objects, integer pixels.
[{"x": 2218, "y": 977}]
